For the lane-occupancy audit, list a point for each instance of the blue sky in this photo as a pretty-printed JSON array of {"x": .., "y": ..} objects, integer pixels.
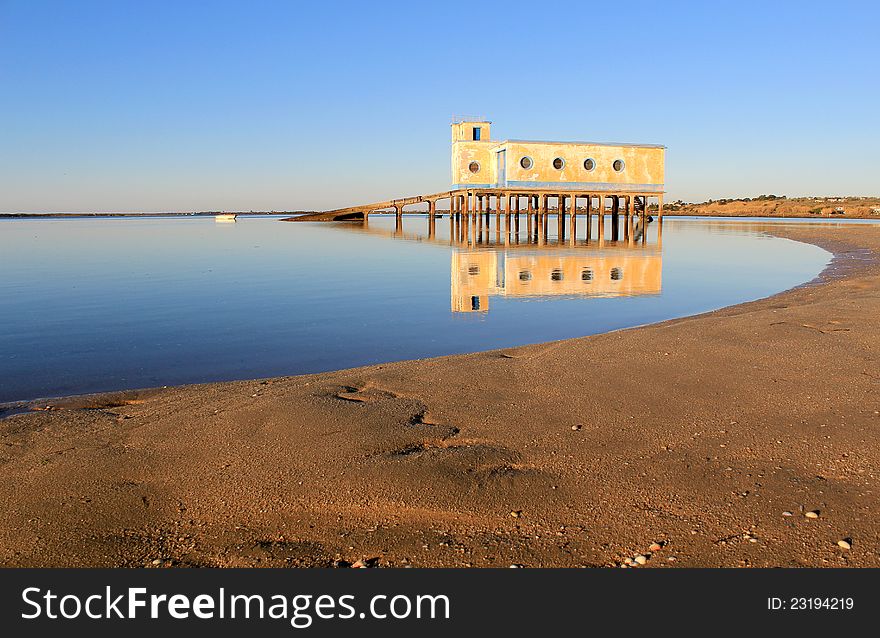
[{"x": 286, "y": 105}]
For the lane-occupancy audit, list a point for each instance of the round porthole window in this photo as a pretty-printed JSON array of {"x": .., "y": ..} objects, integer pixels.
[
  {"x": 556, "y": 275},
  {"x": 558, "y": 163},
  {"x": 616, "y": 274},
  {"x": 618, "y": 165},
  {"x": 589, "y": 164},
  {"x": 525, "y": 275},
  {"x": 526, "y": 163},
  {"x": 474, "y": 167}
]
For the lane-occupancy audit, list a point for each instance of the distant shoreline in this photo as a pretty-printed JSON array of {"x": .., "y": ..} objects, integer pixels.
[
  {"x": 673, "y": 213},
  {"x": 781, "y": 207},
  {"x": 758, "y": 214},
  {"x": 767, "y": 206},
  {"x": 155, "y": 214}
]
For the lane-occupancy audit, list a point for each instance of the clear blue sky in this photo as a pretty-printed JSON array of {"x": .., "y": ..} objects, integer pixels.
[{"x": 152, "y": 105}]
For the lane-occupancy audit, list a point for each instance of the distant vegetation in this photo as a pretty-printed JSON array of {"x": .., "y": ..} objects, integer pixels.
[
  {"x": 782, "y": 206},
  {"x": 759, "y": 198}
]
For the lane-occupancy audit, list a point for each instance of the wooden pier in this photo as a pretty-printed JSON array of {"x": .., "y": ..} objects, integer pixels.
[
  {"x": 503, "y": 201},
  {"x": 494, "y": 230}
]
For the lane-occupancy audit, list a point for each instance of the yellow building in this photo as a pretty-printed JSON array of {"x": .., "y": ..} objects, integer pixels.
[
  {"x": 480, "y": 162},
  {"x": 490, "y": 175}
]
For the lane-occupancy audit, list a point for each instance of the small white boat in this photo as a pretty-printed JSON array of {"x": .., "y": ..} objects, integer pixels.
[{"x": 225, "y": 217}]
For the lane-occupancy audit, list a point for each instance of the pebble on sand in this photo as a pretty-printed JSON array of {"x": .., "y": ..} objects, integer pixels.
[
  {"x": 516, "y": 513},
  {"x": 576, "y": 427},
  {"x": 641, "y": 560},
  {"x": 655, "y": 547},
  {"x": 787, "y": 513},
  {"x": 844, "y": 544},
  {"x": 812, "y": 514}
]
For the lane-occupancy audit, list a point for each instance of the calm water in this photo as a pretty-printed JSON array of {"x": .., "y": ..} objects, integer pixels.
[{"x": 101, "y": 304}]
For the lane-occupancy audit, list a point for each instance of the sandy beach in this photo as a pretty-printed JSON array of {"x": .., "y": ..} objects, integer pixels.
[{"x": 749, "y": 436}]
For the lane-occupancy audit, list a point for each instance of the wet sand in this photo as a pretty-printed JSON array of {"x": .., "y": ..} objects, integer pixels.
[{"x": 698, "y": 434}]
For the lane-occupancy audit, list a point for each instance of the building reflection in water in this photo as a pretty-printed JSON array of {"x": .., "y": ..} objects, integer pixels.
[
  {"x": 532, "y": 259},
  {"x": 609, "y": 272}
]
